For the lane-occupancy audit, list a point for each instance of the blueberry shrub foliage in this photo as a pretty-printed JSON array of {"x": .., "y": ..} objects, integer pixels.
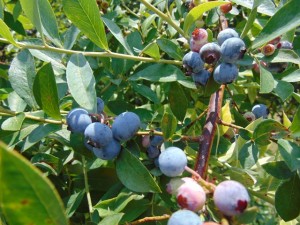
[{"x": 111, "y": 112}]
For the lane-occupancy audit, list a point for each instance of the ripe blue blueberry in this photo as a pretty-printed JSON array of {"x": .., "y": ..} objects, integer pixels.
[
  {"x": 226, "y": 34},
  {"x": 226, "y": 73},
  {"x": 210, "y": 53},
  {"x": 172, "y": 161},
  {"x": 201, "y": 77},
  {"x": 100, "y": 105},
  {"x": 231, "y": 197},
  {"x": 153, "y": 151},
  {"x": 260, "y": 110},
  {"x": 125, "y": 126},
  {"x": 156, "y": 140},
  {"x": 184, "y": 217},
  {"x": 192, "y": 62},
  {"x": 108, "y": 152},
  {"x": 232, "y": 50},
  {"x": 98, "y": 135},
  {"x": 78, "y": 119},
  {"x": 285, "y": 45}
]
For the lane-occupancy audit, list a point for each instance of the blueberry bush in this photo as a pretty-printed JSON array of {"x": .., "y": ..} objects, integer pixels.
[{"x": 173, "y": 112}]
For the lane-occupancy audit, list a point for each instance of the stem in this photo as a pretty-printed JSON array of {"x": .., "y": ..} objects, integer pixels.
[
  {"x": 86, "y": 185},
  {"x": 262, "y": 196},
  {"x": 94, "y": 54},
  {"x": 149, "y": 219},
  {"x": 209, "y": 186},
  {"x": 164, "y": 17},
  {"x": 197, "y": 119},
  {"x": 231, "y": 125}
]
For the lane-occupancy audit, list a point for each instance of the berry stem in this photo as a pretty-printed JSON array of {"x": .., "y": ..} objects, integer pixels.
[
  {"x": 86, "y": 185},
  {"x": 149, "y": 219},
  {"x": 232, "y": 125}
]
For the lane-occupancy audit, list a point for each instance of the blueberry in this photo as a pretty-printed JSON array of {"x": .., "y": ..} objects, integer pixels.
[
  {"x": 225, "y": 73},
  {"x": 184, "y": 217},
  {"x": 191, "y": 196},
  {"x": 156, "y": 140},
  {"x": 109, "y": 151},
  {"x": 285, "y": 45},
  {"x": 226, "y": 34},
  {"x": 172, "y": 161},
  {"x": 249, "y": 116},
  {"x": 232, "y": 50},
  {"x": 260, "y": 110},
  {"x": 277, "y": 67},
  {"x": 125, "y": 126},
  {"x": 100, "y": 105},
  {"x": 98, "y": 135},
  {"x": 210, "y": 53},
  {"x": 275, "y": 40},
  {"x": 78, "y": 119},
  {"x": 231, "y": 197},
  {"x": 198, "y": 39},
  {"x": 201, "y": 77},
  {"x": 268, "y": 49},
  {"x": 153, "y": 152},
  {"x": 192, "y": 62}
]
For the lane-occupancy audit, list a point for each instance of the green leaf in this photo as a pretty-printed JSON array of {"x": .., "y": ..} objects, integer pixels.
[
  {"x": 197, "y": 11},
  {"x": 145, "y": 91},
  {"x": 54, "y": 162},
  {"x": 41, "y": 15},
  {"x": 295, "y": 128},
  {"x": 283, "y": 89},
  {"x": 170, "y": 48},
  {"x": 39, "y": 133},
  {"x": 152, "y": 50},
  {"x": 290, "y": 152},
  {"x": 292, "y": 77},
  {"x": 116, "y": 31},
  {"x": 278, "y": 169},
  {"x": 176, "y": 95},
  {"x": 287, "y": 198},
  {"x": 1, "y": 9},
  {"x": 81, "y": 82},
  {"x": 250, "y": 21},
  {"x": 73, "y": 203},
  {"x": 168, "y": 125},
  {"x": 21, "y": 76},
  {"x": 112, "y": 219},
  {"x": 159, "y": 73},
  {"x": 5, "y": 32},
  {"x": 13, "y": 24},
  {"x": 85, "y": 15},
  {"x": 248, "y": 155},
  {"x": 45, "y": 91},
  {"x": 266, "y": 7},
  {"x": 226, "y": 117},
  {"x": 284, "y": 20},
  {"x": 282, "y": 55},
  {"x": 268, "y": 129},
  {"x": 13, "y": 123},
  {"x": 133, "y": 174},
  {"x": 266, "y": 81},
  {"x": 28, "y": 193}
]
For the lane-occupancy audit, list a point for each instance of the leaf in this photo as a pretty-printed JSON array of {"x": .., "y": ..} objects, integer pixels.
[
  {"x": 70, "y": 37},
  {"x": 282, "y": 55},
  {"x": 45, "y": 91},
  {"x": 266, "y": 81},
  {"x": 295, "y": 128},
  {"x": 21, "y": 76},
  {"x": 170, "y": 48},
  {"x": 292, "y": 77},
  {"x": 1, "y": 9},
  {"x": 41, "y": 15},
  {"x": 28, "y": 193},
  {"x": 248, "y": 155},
  {"x": 168, "y": 125},
  {"x": 81, "y": 82},
  {"x": 284, "y": 20},
  {"x": 133, "y": 174},
  {"x": 47, "y": 159},
  {"x": 278, "y": 169},
  {"x": 146, "y": 92},
  {"x": 13, "y": 24},
  {"x": 267, "y": 129},
  {"x": 290, "y": 152},
  {"x": 283, "y": 89},
  {"x": 85, "y": 15},
  {"x": 266, "y": 7},
  {"x": 286, "y": 121},
  {"x": 73, "y": 203},
  {"x": 5, "y": 32},
  {"x": 116, "y": 31},
  {"x": 39, "y": 133},
  {"x": 197, "y": 11},
  {"x": 250, "y": 21},
  {"x": 159, "y": 73},
  {"x": 13, "y": 123},
  {"x": 112, "y": 219},
  {"x": 226, "y": 117},
  {"x": 287, "y": 198},
  {"x": 176, "y": 95},
  {"x": 152, "y": 50}
]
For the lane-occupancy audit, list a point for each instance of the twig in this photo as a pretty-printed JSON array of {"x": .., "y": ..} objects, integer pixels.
[
  {"x": 231, "y": 125},
  {"x": 233, "y": 102},
  {"x": 149, "y": 219},
  {"x": 197, "y": 119},
  {"x": 86, "y": 185}
]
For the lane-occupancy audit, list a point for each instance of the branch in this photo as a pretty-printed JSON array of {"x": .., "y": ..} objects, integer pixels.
[
  {"x": 149, "y": 219},
  {"x": 94, "y": 54}
]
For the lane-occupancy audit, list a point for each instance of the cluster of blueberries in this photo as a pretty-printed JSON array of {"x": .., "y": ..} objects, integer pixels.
[
  {"x": 230, "y": 197},
  {"x": 228, "y": 50},
  {"x": 102, "y": 139},
  {"x": 152, "y": 144}
]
